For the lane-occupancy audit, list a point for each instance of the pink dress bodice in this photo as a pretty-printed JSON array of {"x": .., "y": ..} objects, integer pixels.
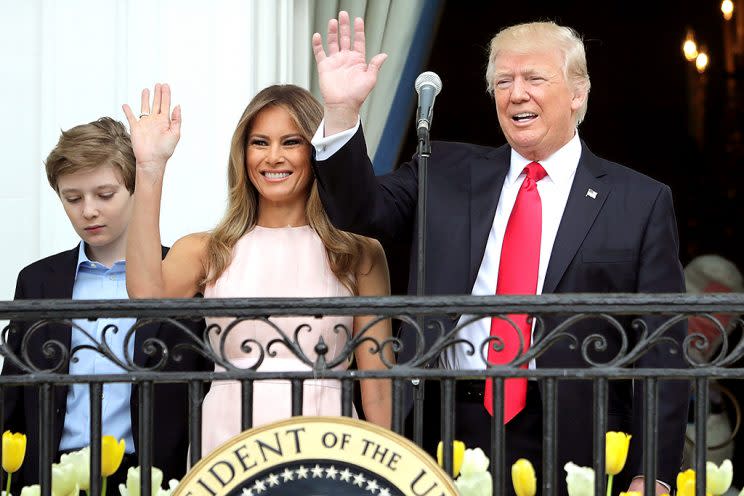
[{"x": 269, "y": 263}]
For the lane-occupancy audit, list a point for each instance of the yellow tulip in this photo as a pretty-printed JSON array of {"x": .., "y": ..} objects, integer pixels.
[
  {"x": 686, "y": 483},
  {"x": 523, "y": 478},
  {"x": 14, "y": 450},
  {"x": 630, "y": 493},
  {"x": 458, "y": 451},
  {"x": 616, "y": 451},
  {"x": 112, "y": 453}
]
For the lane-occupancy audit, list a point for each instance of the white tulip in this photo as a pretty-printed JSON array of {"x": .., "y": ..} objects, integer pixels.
[
  {"x": 475, "y": 484},
  {"x": 579, "y": 480},
  {"x": 80, "y": 461},
  {"x": 63, "y": 480},
  {"x": 34, "y": 490},
  {"x": 718, "y": 479},
  {"x": 172, "y": 485},
  {"x": 132, "y": 488},
  {"x": 474, "y": 461}
]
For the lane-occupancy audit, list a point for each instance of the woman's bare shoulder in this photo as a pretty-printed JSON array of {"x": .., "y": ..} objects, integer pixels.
[{"x": 191, "y": 245}]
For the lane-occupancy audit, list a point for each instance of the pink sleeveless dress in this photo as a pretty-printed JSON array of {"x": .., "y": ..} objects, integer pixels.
[{"x": 273, "y": 262}]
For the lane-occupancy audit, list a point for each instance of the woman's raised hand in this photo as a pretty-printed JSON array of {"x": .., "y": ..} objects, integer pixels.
[
  {"x": 345, "y": 77},
  {"x": 156, "y": 132}
]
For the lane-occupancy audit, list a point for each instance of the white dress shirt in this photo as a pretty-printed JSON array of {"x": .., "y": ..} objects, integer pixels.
[
  {"x": 326, "y": 146},
  {"x": 554, "y": 190}
]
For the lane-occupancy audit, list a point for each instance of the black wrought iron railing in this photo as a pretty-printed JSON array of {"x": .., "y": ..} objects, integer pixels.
[{"x": 610, "y": 333}]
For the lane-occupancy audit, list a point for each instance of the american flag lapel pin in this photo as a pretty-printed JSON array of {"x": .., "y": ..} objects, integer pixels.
[{"x": 591, "y": 193}]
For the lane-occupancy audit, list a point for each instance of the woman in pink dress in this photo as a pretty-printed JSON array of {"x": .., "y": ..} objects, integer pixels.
[{"x": 274, "y": 241}]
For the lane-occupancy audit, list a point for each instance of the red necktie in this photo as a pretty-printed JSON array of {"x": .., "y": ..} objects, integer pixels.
[{"x": 520, "y": 260}]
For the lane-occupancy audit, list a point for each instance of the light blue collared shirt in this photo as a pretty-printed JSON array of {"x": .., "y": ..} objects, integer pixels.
[{"x": 93, "y": 280}]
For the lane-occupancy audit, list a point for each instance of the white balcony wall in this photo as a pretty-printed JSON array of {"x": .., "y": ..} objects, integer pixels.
[{"x": 67, "y": 62}]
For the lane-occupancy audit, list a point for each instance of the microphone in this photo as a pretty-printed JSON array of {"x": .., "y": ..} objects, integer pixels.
[{"x": 428, "y": 85}]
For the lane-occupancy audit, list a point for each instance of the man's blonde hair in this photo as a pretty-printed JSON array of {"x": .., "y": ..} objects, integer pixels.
[{"x": 541, "y": 36}]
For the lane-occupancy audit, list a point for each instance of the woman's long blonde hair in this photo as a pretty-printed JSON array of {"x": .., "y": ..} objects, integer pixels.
[{"x": 344, "y": 249}]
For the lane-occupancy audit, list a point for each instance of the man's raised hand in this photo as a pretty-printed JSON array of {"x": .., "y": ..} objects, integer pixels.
[{"x": 345, "y": 77}]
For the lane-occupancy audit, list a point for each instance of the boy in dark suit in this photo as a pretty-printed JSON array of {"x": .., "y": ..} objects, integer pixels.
[{"x": 92, "y": 170}]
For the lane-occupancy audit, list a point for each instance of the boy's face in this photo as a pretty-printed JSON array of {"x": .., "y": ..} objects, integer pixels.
[{"x": 98, "y": 205}]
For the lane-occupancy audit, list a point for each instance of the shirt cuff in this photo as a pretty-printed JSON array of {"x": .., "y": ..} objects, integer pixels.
[
  {"x": 326, "y": 146},
  {"x": 667, "y": 486}
]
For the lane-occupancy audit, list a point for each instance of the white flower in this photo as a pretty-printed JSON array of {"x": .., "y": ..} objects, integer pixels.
[
  {"x": 132, "y": 488},
  {"x": 34, "y": 490},
  {"x": 475, "y": 484},
  {"x": 473, "y": 461},
  {"x": 172, "y": 485},
  {"x": 63, "y": 480},
  {"x": 579, "y": 480},
  {"x": 719, "y": 478},
  {"x": 80, "y": 462},
  {"x": 474, "y": 480}
]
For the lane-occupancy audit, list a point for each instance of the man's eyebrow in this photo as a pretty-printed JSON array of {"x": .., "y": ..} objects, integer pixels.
[{"x": 527, "y": 71}]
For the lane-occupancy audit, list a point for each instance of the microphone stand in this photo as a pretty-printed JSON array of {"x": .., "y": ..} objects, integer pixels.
[
  {"x": 423, "y": 152},
  {"x": 447, "y": 421}
]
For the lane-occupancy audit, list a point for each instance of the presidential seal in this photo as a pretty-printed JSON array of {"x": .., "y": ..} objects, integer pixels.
[{"x": 317, "y": 456}]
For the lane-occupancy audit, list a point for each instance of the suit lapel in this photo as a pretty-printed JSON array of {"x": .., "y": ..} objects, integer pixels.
[
  {"x": 588, "y": 193},
  {"x": 61, "y": 277},
  {"x": 58, "y": 285},
  {"x": 486, "y": 180}
]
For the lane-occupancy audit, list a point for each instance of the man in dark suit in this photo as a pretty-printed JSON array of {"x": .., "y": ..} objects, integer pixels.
[
  {"x": 539, "y": 215},
  {"x": 92, "y": 171}
]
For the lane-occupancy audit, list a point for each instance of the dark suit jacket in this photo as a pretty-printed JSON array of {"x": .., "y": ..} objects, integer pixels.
[
  {"x": 53, "y": 278},
  {"x": 624, "y": 240}
]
